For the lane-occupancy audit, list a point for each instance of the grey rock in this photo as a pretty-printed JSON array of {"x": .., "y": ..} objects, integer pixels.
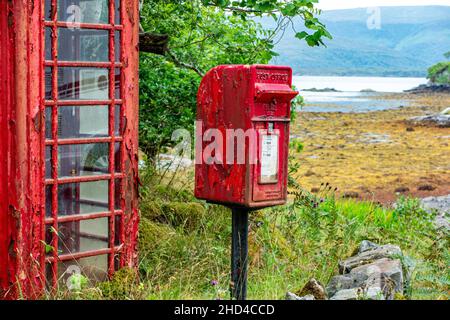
[
  {"x": 442, "y": 206},
  {"x": 384, "y": 273},
  {"x": 344, "y": 282},
  {"x": 369, "y": 256},
  {"x": 436, "y": 120},
  {"x": 367, "y": 245},
  {"x": 430, "y": 88},
  {"x": 372, "y": 293},
  {"x": 446, "y": 112},
  {"x": 293, "y": 297}
]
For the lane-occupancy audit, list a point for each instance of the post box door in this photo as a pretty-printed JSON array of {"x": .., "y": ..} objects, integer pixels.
[
  {"x": 270, "y": 171},
  {"x": 85, "y": 107}
]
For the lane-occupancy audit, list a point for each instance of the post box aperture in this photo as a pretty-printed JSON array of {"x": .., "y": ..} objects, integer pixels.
[{"x": 243, "y": 119}]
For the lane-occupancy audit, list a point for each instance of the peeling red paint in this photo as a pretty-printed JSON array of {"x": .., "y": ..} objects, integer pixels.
[
  {"x": 23, "y": 141},
  {"x": 243, "y": 97}
]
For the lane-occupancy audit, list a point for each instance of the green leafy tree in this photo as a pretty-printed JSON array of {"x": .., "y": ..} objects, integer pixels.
[
  {"x": 440, "y": 72},
  {"x": 180, "y": 40}
]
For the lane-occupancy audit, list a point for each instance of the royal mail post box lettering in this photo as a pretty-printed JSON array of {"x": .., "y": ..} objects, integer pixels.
[{"x": 246, "y": 109}]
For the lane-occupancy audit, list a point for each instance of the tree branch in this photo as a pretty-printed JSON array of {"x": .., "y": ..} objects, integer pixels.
[
  {"x": 153, "y": 43},
  {"x": 184, "y": 64}
]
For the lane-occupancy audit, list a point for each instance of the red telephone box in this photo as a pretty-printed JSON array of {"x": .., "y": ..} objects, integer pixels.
[
  {"x": 248, "y": 108},
  {"x": 69, "y": 141}
]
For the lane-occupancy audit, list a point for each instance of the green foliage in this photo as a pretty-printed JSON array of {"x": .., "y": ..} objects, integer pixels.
[
  {"x": 440, "y": 72},
  {"x": 167, "y": 102},
  {"x": 288, "y": 245},
  {"x": 204, "y": 34}
]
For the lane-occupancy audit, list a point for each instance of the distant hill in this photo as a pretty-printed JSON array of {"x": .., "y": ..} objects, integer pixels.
[{"x": 410, "y": 40}]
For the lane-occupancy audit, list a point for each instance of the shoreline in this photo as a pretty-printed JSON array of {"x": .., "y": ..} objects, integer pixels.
[{"x": 376, "y": 155}]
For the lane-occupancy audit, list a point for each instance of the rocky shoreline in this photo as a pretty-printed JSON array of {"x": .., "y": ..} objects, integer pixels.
[
  {"x": 430, "y": 88},
  {"x": 379, "y": 155}
]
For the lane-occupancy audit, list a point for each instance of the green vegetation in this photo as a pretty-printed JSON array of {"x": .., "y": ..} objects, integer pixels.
[
  {"x": 204, "y": 34},
  {"x": 440, "y": 73},
  {"x": 185, "y": 245}
]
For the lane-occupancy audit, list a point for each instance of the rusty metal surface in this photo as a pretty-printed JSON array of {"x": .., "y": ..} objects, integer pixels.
[
  {"x": 243, "y": 97},
  {"x": 22, "y": 174},
  {"x": 5, "y": 113}
]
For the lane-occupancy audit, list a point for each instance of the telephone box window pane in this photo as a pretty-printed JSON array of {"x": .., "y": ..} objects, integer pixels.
[
  {"x": 83, "y": 83},
  {"x": 117, "y": 227},
  {"x": 83, "y": 45},
  {"x": 48, "y": 162},
  {"x": 82, "y": 236},
  {"x": 83, "y": 160},
  {"x": 83, "y": 122},
  {"x": 118, "y": 76},
  {"x": 117, "y": 156},
  {"x": 118, "y": 42},
  {"x": 94, "y": 268},
  {"x": 49, "y": 276},
  {"x": 118, "y": 19},
  {"x": 48, "y": 10},
  {"x": 48, "y": 43},
  {"x": 48, "y": 83},
  {"x": 117, "y": 120},
  {"x": 83, "y": 198},
  {"x": 49, "y": 232},
  {"x": 48, "y": 201},
  {"x": 118, "y": 194},
  {"x": 48, "y": 123},
  {"x": 83, "y": 11}
]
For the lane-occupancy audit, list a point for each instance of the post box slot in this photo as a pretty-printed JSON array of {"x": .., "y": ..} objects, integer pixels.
[{"x": 272, "y": 92}]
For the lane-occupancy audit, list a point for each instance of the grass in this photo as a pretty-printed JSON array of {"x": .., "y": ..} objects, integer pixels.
[{"x": 185, "y": 245}]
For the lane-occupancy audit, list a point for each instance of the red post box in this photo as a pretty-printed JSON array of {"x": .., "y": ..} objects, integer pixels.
[
  {"x": 243, "y": 119},
  {"x": 69, "y": 141}
]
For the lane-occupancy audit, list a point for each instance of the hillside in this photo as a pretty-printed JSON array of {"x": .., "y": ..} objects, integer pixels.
[{"x": 410, "y": 40}]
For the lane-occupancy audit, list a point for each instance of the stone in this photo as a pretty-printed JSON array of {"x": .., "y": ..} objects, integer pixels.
[
  {"x": 369, "y": 256},
  {"x": 367, "y": 245},
  {"x": 430, "y": 88},
  {"x": 315, "y": 288},
  {"x": 436, "y": 120},
  {"x": 372, "y": 293},
  {"x": 440, "y": 204},
  {"x": 446, "y": 112},
  {"x": 345, "y": 282},
  {"x": 386, "y": 274},
  {"x": 293, "y": 297},
  {"x": 426, "y": 187}
]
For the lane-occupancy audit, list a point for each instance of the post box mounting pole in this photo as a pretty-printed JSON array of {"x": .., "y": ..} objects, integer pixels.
[{"x": 239, "y": 253}]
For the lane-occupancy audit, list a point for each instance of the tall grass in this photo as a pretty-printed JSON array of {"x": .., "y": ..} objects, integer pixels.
[{"x": 184, "y": 245}]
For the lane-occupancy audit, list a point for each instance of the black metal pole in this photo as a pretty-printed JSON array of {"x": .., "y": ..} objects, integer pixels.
[{"x": 239, "y": 253}]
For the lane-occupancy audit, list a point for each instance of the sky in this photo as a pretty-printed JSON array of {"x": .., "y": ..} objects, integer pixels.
[{"x": 346, "y": 4}]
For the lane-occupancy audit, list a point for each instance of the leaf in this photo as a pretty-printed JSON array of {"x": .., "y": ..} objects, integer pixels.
[{"x": 301, "y": 35}]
